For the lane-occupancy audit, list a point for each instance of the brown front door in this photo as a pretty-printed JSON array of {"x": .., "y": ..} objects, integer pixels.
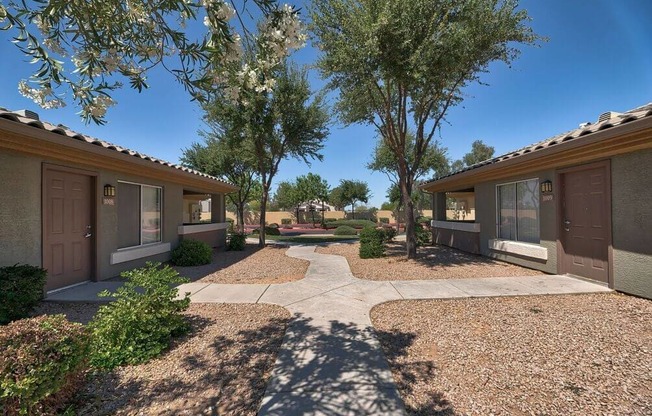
[
  {"x": 67, "y": 231},
  {"x": 585, "y": 223}
]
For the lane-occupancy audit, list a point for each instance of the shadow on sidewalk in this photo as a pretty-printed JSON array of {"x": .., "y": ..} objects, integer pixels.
[{"x": 339, "y": 368}]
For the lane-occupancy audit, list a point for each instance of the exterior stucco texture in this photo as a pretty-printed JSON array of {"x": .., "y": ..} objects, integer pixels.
[
  {"x": 20, "y": 210},
  {"x": 632, "y": 223}
]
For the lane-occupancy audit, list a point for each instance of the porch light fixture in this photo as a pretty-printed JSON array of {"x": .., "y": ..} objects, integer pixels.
[
  {"x": 546, "y": 187},
  {"x": 109, "y": 190}
]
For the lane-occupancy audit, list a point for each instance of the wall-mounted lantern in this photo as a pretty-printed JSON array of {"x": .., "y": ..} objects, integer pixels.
[
  {"x": 546, "y": 187},
  {"x": 109, "y": 190}
]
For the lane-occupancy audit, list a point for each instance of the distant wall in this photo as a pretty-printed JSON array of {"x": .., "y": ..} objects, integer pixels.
[{"x": 253, "y": 218}]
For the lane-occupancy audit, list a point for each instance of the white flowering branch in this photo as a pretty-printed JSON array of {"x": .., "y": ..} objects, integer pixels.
[{"x": 89, "y": 47}]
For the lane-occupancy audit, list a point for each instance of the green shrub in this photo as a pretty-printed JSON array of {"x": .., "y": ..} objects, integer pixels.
[
  {"x": 351, "y": 223},
  {"x": 330, "y": 219},
  {"x": 371, "y": 243},
  {"x": 42, "y": 364},
  {"x": 21, "y": 289},
  {"x": 192, "y": 253},
  {"x": 268, "y": 231},
  {"x": 286, "y": 221},
  {"x": 423, "y": 220},
  {"x": 422, "y": 235},
  {"x": 389, "y": 234},
  {"x": 230, "y": 228},
  {"x": 237, "y": 242},
  {"x": 383, "y": 220},
  {"x": 142, "y": 320},
  {"x": 345, "y": 230}
]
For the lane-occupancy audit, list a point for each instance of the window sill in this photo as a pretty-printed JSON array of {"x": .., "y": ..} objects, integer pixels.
[
  {"x": 534, "y": 251},
  {"x": 136, "y": 253}
]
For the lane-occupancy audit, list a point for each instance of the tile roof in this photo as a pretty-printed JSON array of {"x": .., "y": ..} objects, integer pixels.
[
  {"x": 606, "y": 121},
  {"x": 65, "y": 131}
]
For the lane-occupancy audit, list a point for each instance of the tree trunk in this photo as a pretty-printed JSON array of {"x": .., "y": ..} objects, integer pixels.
[
  {"x": 263, "y": 211},
  {"x": 353, "y": 210},
  {"x": 241, "y": 217},
  {"x": 408, "y": 208}
]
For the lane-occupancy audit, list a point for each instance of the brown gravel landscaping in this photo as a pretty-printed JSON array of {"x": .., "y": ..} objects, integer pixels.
[
  {"x": 220, "y": 368},
  {"x": 433, "y": 262},
  {"x": 252, "y": 265},
  {"x": 539, "y": 355}
]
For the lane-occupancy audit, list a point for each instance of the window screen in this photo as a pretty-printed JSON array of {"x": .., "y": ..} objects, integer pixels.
[
  {"x": 139, "y": 214},
  {"x": 128, "y": 196},
  {"x": 518, "y": 216}
]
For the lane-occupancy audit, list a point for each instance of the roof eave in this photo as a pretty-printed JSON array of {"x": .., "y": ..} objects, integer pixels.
[
  {"x": 28, "y": 139},
  {"x": 632, "y": 136}
]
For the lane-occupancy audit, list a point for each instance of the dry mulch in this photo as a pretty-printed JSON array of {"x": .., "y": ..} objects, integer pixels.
[
  {"x": 220, "y": 368},
  {"x": 432, "y": 262},
  {"x": 543, "y": 355},
  {"x": 252, "y": 265}
]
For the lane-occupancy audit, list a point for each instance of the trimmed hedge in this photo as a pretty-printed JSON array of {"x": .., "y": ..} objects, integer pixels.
[
  {"x": 371, "y": 243},
  {"x": 237, "y": 242},
  {"x": 192, "y": 253},
  {"x": 143, "y": 319},
  {"x": 286, "y": 221},
  {"x": 383, "y": 220},
  {"x": 351, "y": 223},
  {"x": 42, "y": 364},
  {"x": 345, "y": 230},
  {"x": 268, "y": 231},
  {"x": 21, "y": 289}
]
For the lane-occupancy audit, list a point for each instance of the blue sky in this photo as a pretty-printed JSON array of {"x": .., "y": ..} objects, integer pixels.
[{"x": 598, "y": 58}]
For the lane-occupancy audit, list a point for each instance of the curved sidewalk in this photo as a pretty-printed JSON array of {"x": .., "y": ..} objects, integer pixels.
[{"x": 330, "y": 362}]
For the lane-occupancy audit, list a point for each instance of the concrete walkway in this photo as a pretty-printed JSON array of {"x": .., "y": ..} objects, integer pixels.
[{"x": 330, "y": 362}]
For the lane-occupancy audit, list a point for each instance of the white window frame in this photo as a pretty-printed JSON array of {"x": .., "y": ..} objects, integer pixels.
[
  {"x": 141, "y": 185},
  {"x": 498, "y": 237}
]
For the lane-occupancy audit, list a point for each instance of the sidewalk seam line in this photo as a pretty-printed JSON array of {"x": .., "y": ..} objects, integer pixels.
[
  {"x": 318, "y": 294},
  {"x": 261, "y": 295},
  {"x": 399, "y": 293}
]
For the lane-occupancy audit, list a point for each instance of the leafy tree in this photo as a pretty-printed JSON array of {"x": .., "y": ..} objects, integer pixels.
[
  {"x": 225, "y": 158},
  {"x": 479, "y": 153},
  {"x": 401, "y": 64},
  {"x": 286, "y": 196},
  {"x": 286, "y": 122},
  {"x": 312, "y": 187},
  {"x": 90, "y": 48},
  {"x": 349, "y": 192}
]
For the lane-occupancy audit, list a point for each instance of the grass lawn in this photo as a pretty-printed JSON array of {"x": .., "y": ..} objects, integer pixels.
[{"x": 310, "y": 239}]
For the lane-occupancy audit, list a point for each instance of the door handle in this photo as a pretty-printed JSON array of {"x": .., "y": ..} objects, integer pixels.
[
  {"x": 88, "y": 232},
  {"x": 567, "y": 224}
]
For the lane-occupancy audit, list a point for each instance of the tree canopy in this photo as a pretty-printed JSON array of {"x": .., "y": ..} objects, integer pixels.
[
  {"x": 350, "y": 192},
  {"x": 90, "y": 48},
  {"x": 479, "y": 153},
  {"x": 399, "y": 65},
  {"x": 288, "y": 122},
  {"x": 228, "y": 159}
]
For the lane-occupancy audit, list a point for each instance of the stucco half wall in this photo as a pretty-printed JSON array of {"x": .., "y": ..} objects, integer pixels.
[{"x": 632, "y": 223}]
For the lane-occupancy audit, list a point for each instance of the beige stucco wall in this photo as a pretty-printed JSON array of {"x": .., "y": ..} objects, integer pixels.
[
  {"x": 485, "y": 211},
  {"x": 632, "y": 223},
  {"x": 20, "y": 210},
  {"x": 20, "y": 214},
  {"x": 277, "y": 216}
]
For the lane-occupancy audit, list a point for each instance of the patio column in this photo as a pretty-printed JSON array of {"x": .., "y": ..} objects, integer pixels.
[
  {"x": 439, "y": 206},
  {"x": 218, "y": 210}
]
